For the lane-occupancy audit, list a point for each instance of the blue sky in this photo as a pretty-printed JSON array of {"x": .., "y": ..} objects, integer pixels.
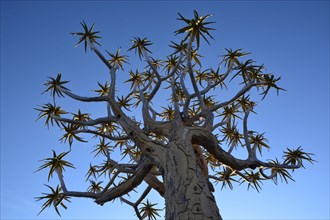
[{"x": 290, "y": 37}]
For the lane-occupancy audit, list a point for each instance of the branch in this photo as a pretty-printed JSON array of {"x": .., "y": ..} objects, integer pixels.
[
  {"x": 159, "y": 82},
  {"x": 281, "y": 166},
  {"x": 155, "y": 184},
  {"x": 191, "y": 74},
  {"x": 154, "y": 69},
  {"x": 151, "y": 124},
  {"x": 82, "y": 194},
  {"x": 60, "y": 177},
  {"x": 86, "y": 123},
  {"x": 252, "y": 156},
  {"x": 113, "y": 83},
  {"x": 174, "y": 96},
  {"x": 211, "y": 86},
  {"x": 137, "y": 203},
  {"x": 223, "y": 122},
  {"x": 98, "y": 53},
  {"x": 145, "y": 109},
  {"x": 110, "y": 182},
  {"x": 271, "y": 176},
  {"x": 231, "y": 147},
  {"x": 111, "y": 68},
  {"x": 82, "y": 98},
  {"x": 136, "y": 134},
  {"x": 177, "y": 65},
  {"x": 239, "y": 94},
  {"x": 209, "y": 120},
  {"x": 114, "y": 138},
  {"x": 205, "y": 138},
  {"x": 125, "y": 187},
  {"x": 203, "y": 92},
  {"x": 134, "y": 207}
]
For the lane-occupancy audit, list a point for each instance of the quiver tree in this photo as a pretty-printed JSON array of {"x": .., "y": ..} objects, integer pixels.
[{"x": 181, "y": 149}]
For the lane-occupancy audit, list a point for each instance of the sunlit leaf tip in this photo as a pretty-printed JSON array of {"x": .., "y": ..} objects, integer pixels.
[{"x": 88, "y": 36}]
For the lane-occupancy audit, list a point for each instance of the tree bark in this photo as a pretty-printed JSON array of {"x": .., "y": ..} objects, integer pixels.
[{"x": 187, "y": 193}]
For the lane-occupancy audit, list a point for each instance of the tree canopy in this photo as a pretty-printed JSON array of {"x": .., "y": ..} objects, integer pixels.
[{"x": 217, "y": 126}]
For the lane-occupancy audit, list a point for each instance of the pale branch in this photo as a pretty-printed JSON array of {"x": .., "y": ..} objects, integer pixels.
[
  {"x": 136, "y": 134},
  {"x": 145, "y": 110},
  {"x": 232, "y": 146},
  {"x": 191, "y": 74},
  {"x": 150, "y": 123},
  {"x": 126, "y": 186},
  {"x": 211, "y": 86},
  {"x": 154, "y": 113},
  {"x": 60, "y": 177},
  {"x": 219, "y": 179},
  {"x": 109, "y": 110},
  {"x": 176, "y": 67},
  {"x": 159, "y": 82},
  {"x": 203, "y": 92},
  {"x": 155, "y": 183},
  {"x": 244, "y": 90},
  {"x": 271, "y": 176},
  {"x": 126, "y": 170},
  {"x": 113, "y": 82},
  {"x": 209, "y": 120},
  {"x": 208, "y": 140},
  {"x": 144, "y": 194},
  {"x": 254, "y": 150},
  {"x": 243, "y": 176},
  {"x": 187, "y": 94},
  {"x": 147, "y": 86},
  {"x": 127, "y": 202},
  {"x": 112, "y": 180},
  {"x": 82, "y": 98},
  {"x": 114, "y": 138},
  {"x": 223, "y": 122},
  {"x": 175, "y": 97},
  {"x": 137, "y": 203},
  {"x": 116, "y": 165},
  {"x": 205, "y": 138},
  {"x": 90, "y": 195},
  {"x": 160, "y": 79},
  {"x": 154, "y": 91},
  {"x": 85, "y": 123},
  {"x": 134, "y": 207},
  {"x": 154, "y": 69},
  {"x": 99, "y": 168},
  {"x": 222, "y": 156},
  {"x": 99, "y": 54},
  {"x": 183, "y": 84},
  {"x": 252, "y": 155},
  {"x": 281, "y": 166}
]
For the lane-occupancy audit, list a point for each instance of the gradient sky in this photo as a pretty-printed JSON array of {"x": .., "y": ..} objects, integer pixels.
[{"x": 290, "y": 37}]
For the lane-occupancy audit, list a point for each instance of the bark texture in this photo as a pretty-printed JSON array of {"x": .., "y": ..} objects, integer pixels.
[{"x": 187, "y": 193}]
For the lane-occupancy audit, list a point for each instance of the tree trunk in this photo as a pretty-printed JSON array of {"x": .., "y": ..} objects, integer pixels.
[{"x": 187, "y": 193}]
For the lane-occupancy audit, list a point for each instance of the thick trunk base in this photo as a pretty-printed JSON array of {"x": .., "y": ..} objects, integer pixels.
[{"x": 187, "y": 192}]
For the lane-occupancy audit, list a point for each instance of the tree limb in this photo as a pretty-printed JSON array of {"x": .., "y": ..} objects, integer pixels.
[
  {"x": 252, "y": 156},
  {"x": 191, "y": 74},
  {"x": 86, "y": 123},
  {"x": 82, "y": 98},
  {"x": 114, "y": 138},
  {"x": 125, "y": 187}
]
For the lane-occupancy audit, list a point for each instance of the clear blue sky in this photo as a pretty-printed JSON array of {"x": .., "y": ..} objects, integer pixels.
[{"x": 290, "y": 37}]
